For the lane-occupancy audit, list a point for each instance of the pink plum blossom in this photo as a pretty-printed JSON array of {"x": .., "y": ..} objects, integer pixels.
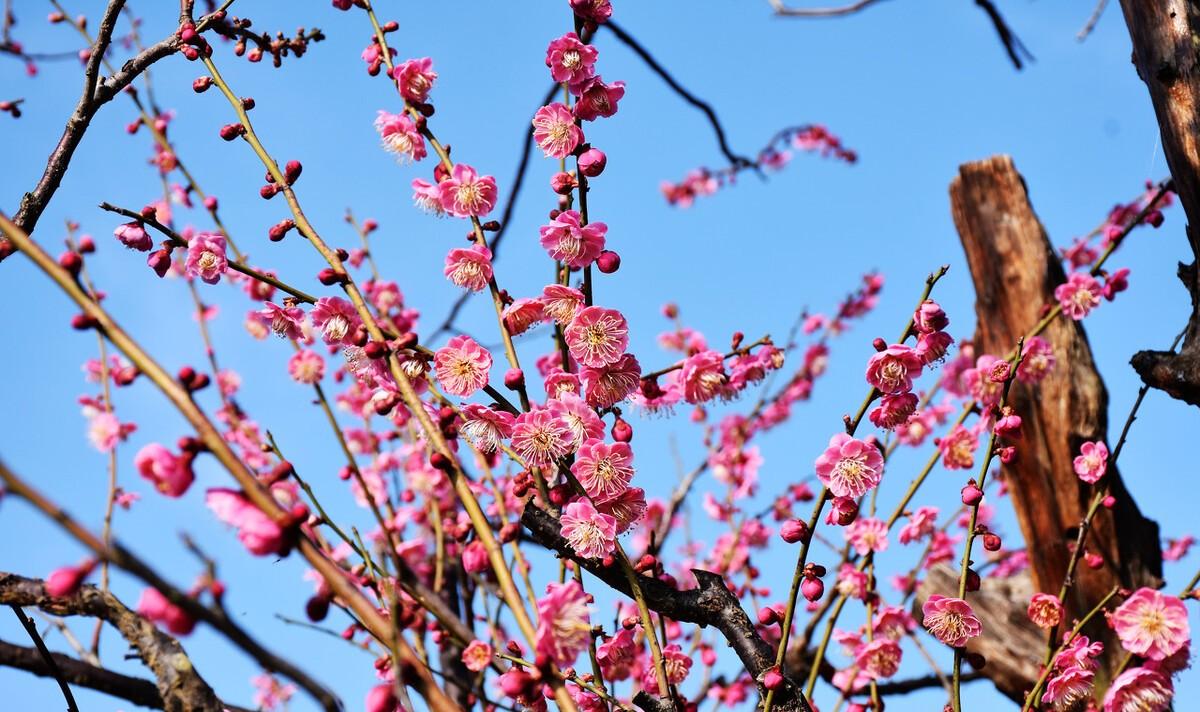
[
  {"x": 462, "y": 366},
  {"x": 469, "y": 267},
  {"x": 555, "y": 131},
  {"x": 170, "y": 474},
  {"x": 569, "y": 241},
  {"x": 849, "y": 467},
  {"x": 597, "y": 337},
  {"x": 206, "y": 257},
  {"x": 1151, "y": 624},
  {"x": 591, "y": 534},
  {"x": 466, "y": 194},
  {"x": 950, "y": 620}
]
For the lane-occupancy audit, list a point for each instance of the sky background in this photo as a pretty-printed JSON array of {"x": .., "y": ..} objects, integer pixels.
[{"x": 915, "y": 88}]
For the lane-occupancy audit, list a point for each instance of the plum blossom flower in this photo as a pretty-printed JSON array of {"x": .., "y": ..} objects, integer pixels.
[
  {"x": 170, "y": 474},
  {"x": 540, "y": 437},
  {"x": 284, "y": 322},
  {"x": 703, "y": 377},
  {"x": 270, "y": 694},
  {"x": 469, "y": 267},
  {"x": 555, "y": 131},
  {"x": 1078, "y": 295},
  {"x": 415, "y": 77},
  {"x": 932, "y": 347},
  {"x": 567, "y": 240},
  {"x": 462, "y": 366},
  {"x": 1152, "y": 625},
  {"x": 849, "y": 467},
  {"x": 1068, "y": 687},
  {"x": 306, "y": 366},
  {"x": 617, "y": 655},
  {"x": 485, "y": 426},
  {"x": 466, "y": 194},
  {"x": 206, "y": 257},
  {"x": 427, "y": 197},
  {"x": 1176, "y": 549},
  {"x": 598, "y": 99},
  {"x": 1139, "y": 690},
  {"x": 477, "y": 656},
  {"x": 958, "y": 448},
  {"x": 950, "y": 620},
  {"x": 880, "y": 658},
  {"x": 597, "y": 337},
  {"x": 583, "y": 422},
  {"x": 893, "y": 410},
  {"x": 929, "y": 317},
  {"x": 591, "y": 534},
  {"x": 604, "y": 387},
  {"x": 604, "y": 470},
  {"x": 892, "y": 370},
  {"x": 104, "y": 430},
  {"x": 561, "y": 303},
  {"x": 400, "y": 136},
  {"x": 1092, "y": 461},
  {"x": 1045, "y": 610},
  {"x": 627, "y": 508},
  {"x": 1037, "y": 361},
  {"x": 257, "y": 532},
  {"x": 522, "y": 314},
  {"x": 866, "y": 535},
  {"x": 598, "y": 11},
  {"x": 571, "y": 62},
  {"x": 336, "y": 318},
  {"x": 921, "y": 524},
  {"x": 134, "y": 236},
  {"x": 563, "y": 626}
]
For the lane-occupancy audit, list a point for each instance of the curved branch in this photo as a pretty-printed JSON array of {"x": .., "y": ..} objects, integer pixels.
[{"x": 782, "y": 10}]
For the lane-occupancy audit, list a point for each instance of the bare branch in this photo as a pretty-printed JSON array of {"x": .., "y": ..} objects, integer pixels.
[{"x": 783, "y": 10}]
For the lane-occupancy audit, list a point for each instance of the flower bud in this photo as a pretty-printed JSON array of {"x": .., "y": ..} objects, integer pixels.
[
  {"x": 621, "y": 431},
  {"x": 160, "y": 262},
  {"x": 992, "y": 542},
  {"x": 317, "y": 608},
  {"x": 292, "y": 171},
  {"x": 201, "y": 84},
  {"x": 772, "y": 679},
  {"x": 71, "y": 262},
  {"x": 280, "y": 229},
  {"x": 793, "y": 530},
  {"x": 514, "y": 378},
  {"x": 87, "y": 245},
  {"x": 843, "y": 511},
  {"x": 971, "y": 494},
  {"x": 608, "y": 262},
  {"x": 592, "y": 162},
  {"x": 812, "y": 588},
  {"x": 768, "y": 616},
  {"x": 562, "y": 183}
]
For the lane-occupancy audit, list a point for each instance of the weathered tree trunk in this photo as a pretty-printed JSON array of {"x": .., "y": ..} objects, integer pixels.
[
  {"x": 1015, "y": 271},
  {"x": 1166, "y": 52}
]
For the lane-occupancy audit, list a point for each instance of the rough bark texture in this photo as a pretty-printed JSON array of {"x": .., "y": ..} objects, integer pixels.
[
  {"x": 1015, "y": 270},
  {"x": 1166, "y": 52},
  {"x": 180, "y": 687},
  {"x": 1012, "y": 645}
]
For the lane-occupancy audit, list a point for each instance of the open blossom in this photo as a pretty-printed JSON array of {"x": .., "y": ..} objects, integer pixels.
[
  {"x": 598, "y": 99},
  {"x": 415, "y": 77},
  {"x": 104, "y": 430},
  {"x": 462, "y": 366},
  {"x": 1045, "y": 610},
  {"x": 427, "y": 197},
  {"x": 1092, "y": 462},
  {"x": 572, "y": 243},
  {"x": 958, "y": 448},
  {"x": 155, "y": 607},
  {"x": 561, "y": 303},
  {"x": 932, "y": 347},
  {"x": 134, "y": 236},
  {"x": 336, "y": 318},
  {"x": 540, "y": 437},
  {"x": 627, "y": 508},
  {"x": 929, "y": 317},
  {"x": 1151, "y": 624},
  {"x": 466, "y": 194},
  {"x": 611, "y": 384},
  {"x": 257, "y": 532},
  {"x": 597, "y": 337},
  {"x": 306, "y": 366},
  {"x": 921, "y": 524},
  {"x": 555, "y": 131},
  {"x": 477, "y": 656},
  {"x": 1139, "y": 690},
  {"x": 591, "y": 534},
  {"x": 866, "y": 535},
  {"x": 849, "y": 467},
  {"x": 400, "y": 136},
  {"x": 892, "y": 370},
  {"x": 170, "y": 474},
  {"x": 604, "y": 470},
  {"x": 563, "y": 626},
  {"x": 485, "y": 426},
  {"x": 893, "y": 410},
  {"x": 1068, "y": 687},
  {"x": 1037, "y": 362},
  {"x": 582, "y": 421},
  {"x": 598, "y": 11},
  {"x": 571, "y": 62},
  {"x": 950, "y": 620},
  {"x": 206, "y": 257},
  {"x": 879, "y": 658},
  {"x": 1078, "y": 295},
  {"x": 703, "y": 377},
  {"x": 1176, "y": 549},
  {"x": 284, "y": 322},
  {"x": 522, "y": 315},
  {"x": 469, "y": 267}
]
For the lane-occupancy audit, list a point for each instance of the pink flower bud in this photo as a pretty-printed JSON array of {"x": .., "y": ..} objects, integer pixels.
[
  {"x": 971, "y": 494},
  {"x": 592, "y": 162},
  {"x": 812, "y": 588},
  {"x": 67, "y": 580},
  {"x": 210, "y": 203},
  {"x": 201, "y": 84},
  {"x": 793, "y": 530},
  {"x": 160, "y": 262},
  {"x": 514, "y": 378},
  {"x": 475, "y": 558},
  {"x": 381, "y": 698},
  {"x": 768, "y": 616},
  {"x": 622, "y": 432},
  {"x": 842, "y": 511},
  {"x": 772, "y": 679},
  {"x": 991, "y": 542},
  {"x": 562, "y": 183},
  {"x": 608, "y": 262}
]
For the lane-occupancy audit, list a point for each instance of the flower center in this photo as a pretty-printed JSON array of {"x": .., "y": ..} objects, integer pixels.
[
  {"x": 336, "y": 327},
  {"x": 571, "y": 59},
  {"x": 207, "y": 260}
]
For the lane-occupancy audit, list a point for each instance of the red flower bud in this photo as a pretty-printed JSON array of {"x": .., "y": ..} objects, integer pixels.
[
  {"x": 794, "y": 530},
  {"x": 71, "y": 262},
  {"x": 608, "y": 262},
  {"x": 292, "y": 171},
  {"x": 201, "y": 84},
  {"x": 514, "y": 378},
  {"x": 971, "y": 494},
  {"x": 592, "y": 162},
  {"x": 991, "y": 542},
  {"x": 772, "y": 679},
  {"x": 621, "y": 431},
  {"x": 812, "y": 588}
]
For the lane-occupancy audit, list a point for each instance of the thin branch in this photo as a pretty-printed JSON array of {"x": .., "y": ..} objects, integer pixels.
[
  {"x": 1090, "y": 25},
  {"x": 44, "y": 652},
  {"x": 782, "y": 10},
  {"x": 1013, "y": 46}
]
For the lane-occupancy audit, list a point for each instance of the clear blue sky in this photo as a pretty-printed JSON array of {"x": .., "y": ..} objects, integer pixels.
[{"x": 916, "y": 88}]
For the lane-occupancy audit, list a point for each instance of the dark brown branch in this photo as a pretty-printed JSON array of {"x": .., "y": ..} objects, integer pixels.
[
  {"x": 178, "y": 683},
  {"x": 1164, "y": 53},
  {"x": 136, "y": 690},
  {"x": 711, "y": 603},
  {"x": 628, "y": 40},
  {"x": 47, "y": 658},
  {"x": 1013, "y": 46}
]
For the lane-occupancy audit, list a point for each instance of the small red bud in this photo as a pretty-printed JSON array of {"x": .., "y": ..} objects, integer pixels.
[
  {"x": 71, "y": 262},
  {"x": 232, "y": 131},
  {"x": 592, "y": 162},
  {"x": 812, "y": 588},
  {"x": 514, "y": 378},
  {"x": 991, "y": 542},
  {"x": 82, "y": 322},
  {"x": 971, "y": 494},
  {"x": 772, "y": 679},
  {"x": 608, "y": 262},
  {"x": 768, "y": 616},
  {"x": 292, "y": 171},
  {"x": 375, "y": 349},
  {"x": 268, "y": 191},
  {"x": 201, "y": 84},
  {"x": 87, "y": 245},
  {"x": 621, "y": 431},
  {"x": 879, "y": 344}
]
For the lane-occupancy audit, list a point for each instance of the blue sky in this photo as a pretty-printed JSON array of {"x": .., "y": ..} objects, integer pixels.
[{"x": 915, "y": 88}]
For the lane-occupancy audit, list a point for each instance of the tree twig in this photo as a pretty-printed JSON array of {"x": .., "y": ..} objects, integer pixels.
[{"x": 42, "y": 650}]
